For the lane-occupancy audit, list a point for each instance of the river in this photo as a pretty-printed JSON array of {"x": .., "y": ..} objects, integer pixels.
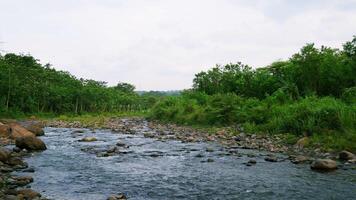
[{"x": 153, "y": 169}]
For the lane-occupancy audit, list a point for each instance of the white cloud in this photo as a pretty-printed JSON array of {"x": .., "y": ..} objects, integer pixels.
[{"x": 161, "y": 44}]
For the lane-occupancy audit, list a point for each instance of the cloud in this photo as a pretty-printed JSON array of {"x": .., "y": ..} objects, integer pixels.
[{"x": 161, "y": 44}]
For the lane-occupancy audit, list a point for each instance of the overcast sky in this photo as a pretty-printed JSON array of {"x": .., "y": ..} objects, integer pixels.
[{"x": 161, "y": 44}]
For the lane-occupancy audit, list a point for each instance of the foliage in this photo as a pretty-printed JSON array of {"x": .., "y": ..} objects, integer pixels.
[
  {"x": 311, "y": 94},
  {"x": 26, "y": 86}
]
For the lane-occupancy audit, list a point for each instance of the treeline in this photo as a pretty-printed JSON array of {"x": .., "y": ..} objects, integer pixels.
[
  {"x": 311, "y": 94},
  {"x": 26, "y": 86}
]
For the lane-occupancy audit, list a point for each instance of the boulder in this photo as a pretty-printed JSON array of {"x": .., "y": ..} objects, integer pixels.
[
  {"x": 4, "y": 155},
  {"x": 4, "y": 130},
  {"x": 36, "y": 129},
  {"x": 30, "y": 143},
  {"x": 88, "y": 139},
  {"x": 324, "y": 164},
  {"x": 17, "y": 131},
  {"x": 346, "y": 155},
  {"x": 299, "y": 159}
]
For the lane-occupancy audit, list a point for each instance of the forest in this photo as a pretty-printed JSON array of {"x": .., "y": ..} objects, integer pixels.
[
  {"x": 28, "y": 87},
  {"x": 313, "y": 93}
]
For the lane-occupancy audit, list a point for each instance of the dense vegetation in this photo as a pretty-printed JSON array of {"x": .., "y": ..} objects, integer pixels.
[
  {"x": 311, "y": 94},
  {"x": 26, "y": 86}
]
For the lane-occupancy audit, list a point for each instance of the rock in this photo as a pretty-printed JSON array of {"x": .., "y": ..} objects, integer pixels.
[
  {"x": 210, "y": 160},
  {"x": 120, "y": 144},
  {"x": 324, "y": 164},
  {"x": 4, "y": 130},
  {"x": 4, "y": 155},
  {"x": 117, "y": 197},
  {"x": 88, "y": 139},
  {"x": 271, "y": 159},
  {"x": 30, "y": 143},
  {"x": 77, "y": 131},
  {"x": 299, "y": 159},
  {"x": 36, "y": 129},
  {"x": 13, "y": 161},
  {"x": 28, "y": 193},
  {"x": 301, "y": 143},
  {"x": 18, "y": 131},
  {"x": 209, "y": 149},
  {"x": 20, "y": 181},
  {"x": 16, "y": 150},
  {"x": 29, "y": 170},
  {"x": 346, "y": 155},
  {"x": 199, "y": 155},
  {"x": 252, "y": 161}
]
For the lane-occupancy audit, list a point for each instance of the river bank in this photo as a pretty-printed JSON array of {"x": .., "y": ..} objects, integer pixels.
[{"x": 18, "y": 140}]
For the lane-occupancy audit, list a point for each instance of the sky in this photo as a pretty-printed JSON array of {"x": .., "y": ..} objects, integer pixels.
[{"x": 161, "y": 44}]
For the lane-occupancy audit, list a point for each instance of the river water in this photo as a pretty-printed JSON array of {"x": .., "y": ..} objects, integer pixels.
[{"x": 152, "y": 169}]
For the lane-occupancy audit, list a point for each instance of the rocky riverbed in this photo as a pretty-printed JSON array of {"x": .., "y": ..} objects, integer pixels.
[{"x": 141, "y": 159}]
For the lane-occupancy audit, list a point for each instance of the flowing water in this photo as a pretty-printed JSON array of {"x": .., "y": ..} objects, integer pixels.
[{"x": 152, "y": 169}]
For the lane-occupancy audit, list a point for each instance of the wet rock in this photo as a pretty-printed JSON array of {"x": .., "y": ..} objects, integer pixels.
[
  {"x": 120, "y": 144},
  {"x": 77, "y": 131},
  {"x": 199, "y": 155},
  {"x": 4, "y": 155},
  {"x": 29, "y": 170},
  {"x": 15, "y": 161},
  {"x": 117, "y": 197},
  {"x": 271, "y": 158},
  {"x": 148, "y": 135},
  {"x": 112, "y": 150},
  {"x": 299, "y": 159},
  {"x": 88, "y": 139},
  {"x": 20, "y": 181},
  {"x": 209, "y": 149},
  {"x": 36, "y": 129},
  {"x": 252, "y": 161},
  {"x": 324, "y": 164},
  {"x": 30, "y": 143},
  {"x": 28, "y": 193},
  {"x": 16, "y": 149},
  {"x": 210, "y": 160},
  {"x": 346, "y": 155}
]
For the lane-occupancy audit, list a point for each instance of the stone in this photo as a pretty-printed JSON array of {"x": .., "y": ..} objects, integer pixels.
[
  {"x": 28, "y": 193},
  {"x": 117, "y": 197},
  {"x": 346, "y": 155},
  {"x": 271, "y": 159},
  {"x": 17, "y": 131},
  {"x": 120, "y": 144},
  {"x": 88, "y": 139},
  {"x": 4, "y": 155},
  {"x": 323, "y": 164},
  {"x": 299, "y": 159},
  {"x": 252, "y": 161},
  {"x": 36, "y": 129},
  {"x": 13, "y": 161},
  {"x": 4, "y": 130},
  {"x": 209, "y": 149},
  {"x": 30, "y": 143}
]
